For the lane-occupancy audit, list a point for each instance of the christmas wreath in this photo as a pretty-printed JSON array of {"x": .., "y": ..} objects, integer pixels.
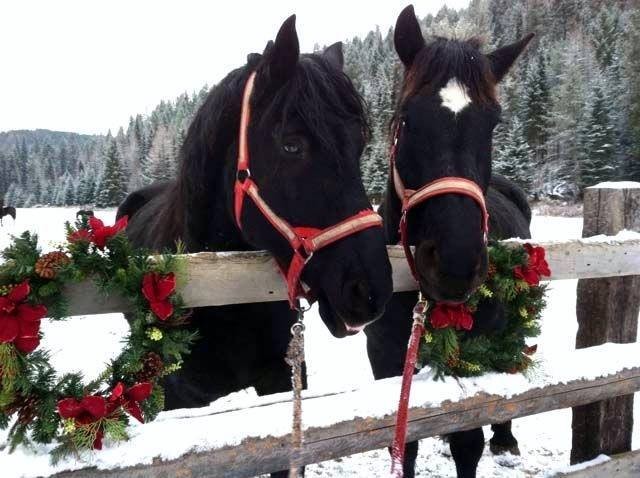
[
  {"x": 451, "y": 348},
  {"x": 35, "y": 401}
]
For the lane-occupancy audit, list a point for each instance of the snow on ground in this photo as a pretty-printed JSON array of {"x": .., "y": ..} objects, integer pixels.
[{"x": 333, "y": 364}]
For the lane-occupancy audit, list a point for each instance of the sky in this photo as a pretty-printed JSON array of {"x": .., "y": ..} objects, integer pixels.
[{"x": 88, "y": 65}]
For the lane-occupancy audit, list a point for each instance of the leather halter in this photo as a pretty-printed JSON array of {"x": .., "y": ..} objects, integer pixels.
[
  {"x": 410, "y": 198},
  {"x": 304, "y": 240}
]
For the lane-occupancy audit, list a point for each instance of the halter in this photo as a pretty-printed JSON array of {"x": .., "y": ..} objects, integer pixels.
[
  {"x": 410, "y": 198},
  {"x": 304, "y": 240}
]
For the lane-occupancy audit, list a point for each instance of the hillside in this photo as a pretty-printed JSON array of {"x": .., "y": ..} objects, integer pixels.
[{"x": 571, "y": 110}]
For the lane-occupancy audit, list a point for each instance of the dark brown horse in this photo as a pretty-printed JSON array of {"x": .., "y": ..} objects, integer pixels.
[{"x": 445, "y": 119}]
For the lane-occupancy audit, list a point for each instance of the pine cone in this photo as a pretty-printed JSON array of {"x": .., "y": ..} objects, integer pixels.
[
  {"x": 27, "y": 408},
  {"x": 492, "y": 269},
  {"x": 152, "y": 366},
  {"x": 454, "y": 359},
  {"x": 47, "y": 265}
]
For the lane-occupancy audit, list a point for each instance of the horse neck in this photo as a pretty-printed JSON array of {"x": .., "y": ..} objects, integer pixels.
[
  {"x": 391, "y": 211},
  {"x": 210, "y": 228}
]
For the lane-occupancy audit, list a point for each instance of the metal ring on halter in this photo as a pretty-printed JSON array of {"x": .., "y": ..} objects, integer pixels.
[
  {"x": 300, "y": 309},
  {"x": 246, "y": 171},
  {"x": 296, "y": 328}
]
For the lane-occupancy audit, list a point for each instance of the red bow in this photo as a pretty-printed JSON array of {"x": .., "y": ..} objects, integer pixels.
[
  {"x": 458, "y": 316},
  {"x": 101, "y": 233},
  {"x": 157, "y": 288},
  {"x": 88, "y": 410},
  {"x": 81, "y": 235},
  {"x": 19, "y": 321},
  {"x": 536, "y": 267},
  {"x": 130, "y": 398}
]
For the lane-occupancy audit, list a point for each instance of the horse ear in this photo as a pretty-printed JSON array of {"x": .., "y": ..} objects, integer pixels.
[
  {"x": 503, "y": 58},
  {"x": 407, "y": 37},
  {"x": 253, "y": 58},
  {"x": 333, "y": 54},
  {"x": 282, "y": 55}
]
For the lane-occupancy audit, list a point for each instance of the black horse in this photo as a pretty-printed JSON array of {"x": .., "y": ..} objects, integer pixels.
[
  {"x": 84, "y": 213},
  {"x": 7, "y": 211},
  {"x": 446, "y": 114},
  {"x": 307, "y": 133}
]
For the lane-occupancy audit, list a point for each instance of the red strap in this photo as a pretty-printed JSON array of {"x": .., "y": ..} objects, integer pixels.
[
  {"x": 402, "y": 416},
  {"x": 303, "y": 240}
]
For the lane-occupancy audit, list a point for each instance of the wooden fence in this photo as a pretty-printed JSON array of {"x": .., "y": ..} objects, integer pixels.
[{"x": 224, "y": 278}]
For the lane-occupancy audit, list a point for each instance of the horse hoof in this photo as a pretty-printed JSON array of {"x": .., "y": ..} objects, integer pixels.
[{"x": 502, "y": 449}]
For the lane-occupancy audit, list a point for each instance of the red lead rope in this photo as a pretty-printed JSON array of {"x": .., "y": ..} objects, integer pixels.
[{"x": 402, "y": 416}]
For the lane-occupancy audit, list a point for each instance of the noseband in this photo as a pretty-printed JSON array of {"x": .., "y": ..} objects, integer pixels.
[
  {"x": 304, "y": 240},
  {"x": 411, "y": 198}
]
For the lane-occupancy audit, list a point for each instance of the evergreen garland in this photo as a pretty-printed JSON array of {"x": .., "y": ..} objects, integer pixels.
[
  {"x": 513, "y": 281},
  {"x": 42, "y": 406}
]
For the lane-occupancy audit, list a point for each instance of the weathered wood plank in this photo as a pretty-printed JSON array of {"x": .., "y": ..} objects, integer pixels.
[
  {"x": 624, "y": 465},
  {"x": 259, "y": 454},
  {"x": 607, "y": 311},
  {"x": 241, "y": 277}
]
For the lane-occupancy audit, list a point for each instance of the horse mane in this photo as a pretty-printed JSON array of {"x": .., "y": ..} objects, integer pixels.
[
  {"x": 443, "y": 59},
  {"x": 318, "y": 95}
]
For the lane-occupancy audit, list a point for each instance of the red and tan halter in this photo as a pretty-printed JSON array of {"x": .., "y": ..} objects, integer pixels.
[
  {"x": 304, "y": 240},
  {"x": 410, "y": 198}
]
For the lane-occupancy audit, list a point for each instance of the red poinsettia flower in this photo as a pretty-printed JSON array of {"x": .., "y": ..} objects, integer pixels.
[
  {"x": 458, "y": 316},
  {"x": 100, "y": 233},
  {"x": 88, "y": 410},
  {"x": 536, "y": 267},
  {"x": 19, "y": 321},
  {"x": 130, "y": 398},
  {"x": 157, "y": 288},
  {"x": 81, "y": 235}
]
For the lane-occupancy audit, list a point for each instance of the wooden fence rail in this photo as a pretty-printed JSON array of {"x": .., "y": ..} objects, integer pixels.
[{"x": 241, "y": 277}]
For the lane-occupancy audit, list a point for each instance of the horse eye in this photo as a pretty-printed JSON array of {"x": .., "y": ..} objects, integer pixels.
[{"x": 292, "y": 148}]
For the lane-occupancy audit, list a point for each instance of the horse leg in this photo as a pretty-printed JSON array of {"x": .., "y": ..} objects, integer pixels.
[
  {"x": 503, "y": 440},
  {"x": 410, "y": 457},
  {"x": 466, "y": 450}
]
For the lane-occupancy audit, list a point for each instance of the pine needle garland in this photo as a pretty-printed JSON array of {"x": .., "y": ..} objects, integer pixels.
[
  {"x": 463, "y": 353},
  {"x": 30, "y": 388}
]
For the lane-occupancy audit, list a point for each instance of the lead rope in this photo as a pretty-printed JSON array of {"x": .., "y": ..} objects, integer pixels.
[
  {"x": 295, "y": 359},
  {"x": 400, "y": 438}
]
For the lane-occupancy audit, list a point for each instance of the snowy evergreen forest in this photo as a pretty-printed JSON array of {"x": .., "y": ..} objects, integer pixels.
[{"x": 571, "y": 110}]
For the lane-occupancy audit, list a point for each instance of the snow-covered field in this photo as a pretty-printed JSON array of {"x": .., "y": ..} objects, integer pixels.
[{"x": 545, "y": 439}]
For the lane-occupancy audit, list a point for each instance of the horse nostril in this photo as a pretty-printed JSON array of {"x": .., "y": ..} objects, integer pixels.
[
  {"x": 428, "y": 251},
  {"x": 359, "y": 296}
]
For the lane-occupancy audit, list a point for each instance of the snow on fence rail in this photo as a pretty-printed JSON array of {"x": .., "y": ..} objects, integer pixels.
[
  {"x": 248, "y": 441},
  {"x": 218, "y": 278}
]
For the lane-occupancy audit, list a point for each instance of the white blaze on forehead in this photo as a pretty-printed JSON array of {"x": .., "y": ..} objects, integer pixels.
[{"x": 454, "y": 96}]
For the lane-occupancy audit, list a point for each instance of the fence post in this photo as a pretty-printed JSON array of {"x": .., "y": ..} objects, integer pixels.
[{"x": 607, "y": 311}]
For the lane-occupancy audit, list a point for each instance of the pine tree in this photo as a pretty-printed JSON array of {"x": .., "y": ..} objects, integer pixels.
[
  {"x": 113, "y": 187},
  {"x": 513, "y": 155},
  {"x": 597, "y": 163},
  {"x": 632, "y": 74}
]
